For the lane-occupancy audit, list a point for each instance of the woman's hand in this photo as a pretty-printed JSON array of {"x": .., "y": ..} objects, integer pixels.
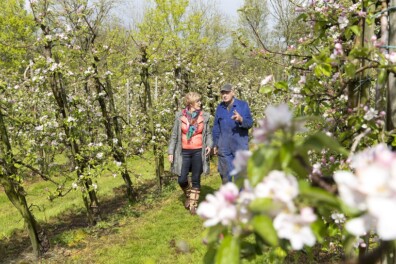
[
  {"x": 170, "y": 158},
  {"x": 207, "y": 151}
]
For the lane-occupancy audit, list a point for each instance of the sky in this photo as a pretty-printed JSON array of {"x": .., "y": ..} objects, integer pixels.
[
  {"x": 133, "y": 9},
  {"x": 230, "y": 7}
]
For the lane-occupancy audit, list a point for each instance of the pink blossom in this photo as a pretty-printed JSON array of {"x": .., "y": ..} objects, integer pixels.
[
  {"x": 372, "y": 190},
  {"x": 391, "y": 57},
  {"x": 220, "y": 207},
  {"x": 338, "y": 49}
]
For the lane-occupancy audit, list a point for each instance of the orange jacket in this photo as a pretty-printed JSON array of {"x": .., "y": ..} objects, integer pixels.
[{"x": 195, "y": 141}]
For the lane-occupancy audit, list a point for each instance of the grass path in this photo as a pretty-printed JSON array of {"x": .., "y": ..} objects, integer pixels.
[{"x": 164, "y": 233}]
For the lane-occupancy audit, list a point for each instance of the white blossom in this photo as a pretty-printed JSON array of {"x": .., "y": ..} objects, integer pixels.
[
  {"x": 338, "y": 218},
  {"x": 280, "y": 187},
  {"x": 276, "y": 117},
  {"x": 240, "y": 161},
  {"x": 296, "y": 228},
  {"x": 266, "y": 80},
  {"x": 343, "y": 22},
  {"x": 39, "y": 128},
  {"x": 370, "y": 114}
]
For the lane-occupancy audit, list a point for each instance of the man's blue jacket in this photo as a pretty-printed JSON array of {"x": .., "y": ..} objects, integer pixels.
[{"x": 230, "y": 135}]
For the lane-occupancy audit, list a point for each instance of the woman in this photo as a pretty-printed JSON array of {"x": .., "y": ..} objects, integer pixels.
[{"x": 189, "y": 148}]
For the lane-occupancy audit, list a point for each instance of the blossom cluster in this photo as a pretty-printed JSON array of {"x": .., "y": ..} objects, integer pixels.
[
  {"x": 230, "y": 207},
  {"x": 371, "y": 188},
  {"x": 276, "y": 117}
]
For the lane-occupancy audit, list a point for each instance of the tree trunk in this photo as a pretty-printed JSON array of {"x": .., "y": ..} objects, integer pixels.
[
  {"x": 111, "y": 126},
  {"x": 391, "y": 98},
  {"x": 60, "y": 95},
  {"x": 358, "y": 89},
  {"x": 381, "y": 85},
  {"x": 118, "y": 133},
  {"x": 16, "y": 193},
  {"x": 144, "y": 74}
]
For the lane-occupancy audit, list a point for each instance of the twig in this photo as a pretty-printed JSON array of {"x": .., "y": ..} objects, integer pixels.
[
  {"x": 44, "y": 177},
  {"x": 358, "y": 138}
]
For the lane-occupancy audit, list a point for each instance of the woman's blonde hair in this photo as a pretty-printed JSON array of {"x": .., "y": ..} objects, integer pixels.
[{"x": 191, "y": 98}]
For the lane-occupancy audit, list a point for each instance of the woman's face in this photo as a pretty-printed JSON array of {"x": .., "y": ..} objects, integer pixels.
[{"x": 196, "y": 105}]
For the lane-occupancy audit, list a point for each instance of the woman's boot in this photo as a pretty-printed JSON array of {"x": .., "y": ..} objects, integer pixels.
[
  {"x": 194, "y": 197},
  {"x": 187, "y": 191}
]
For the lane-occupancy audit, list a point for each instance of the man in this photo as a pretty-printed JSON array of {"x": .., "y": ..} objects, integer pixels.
[{"x": 230, "y": 130}]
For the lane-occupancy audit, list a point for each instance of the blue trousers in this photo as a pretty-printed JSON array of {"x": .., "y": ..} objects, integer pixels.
[
  {"x": 225, "y": 166},
  {"x": 192, "y": 161}
]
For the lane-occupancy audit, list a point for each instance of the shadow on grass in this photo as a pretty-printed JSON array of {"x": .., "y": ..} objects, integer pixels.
[
  {"x": 205, "y": 190},
  {"x": 17, "y": 249}
]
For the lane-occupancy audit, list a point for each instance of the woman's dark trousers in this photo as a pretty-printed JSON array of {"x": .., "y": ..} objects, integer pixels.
[{"x": 192, "y": 161}]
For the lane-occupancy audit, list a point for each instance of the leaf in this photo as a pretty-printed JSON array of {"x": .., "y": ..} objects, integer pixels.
[
  {"x": 262, "y": 205},
  {"x": 261, "y": 163},
  {"x": 320, "y": 141},
  {"x": 348, "y": 243},
  {"x": 213, "y": 233},
  {"x": 297, "y": 165},
  {"x": 209, "y": 255},
  {"x": 319, "y": 229},
  {"x": 263, "y": 226},
  {"x": 382, "y": 76},
  {"x": 266, "y": 89},
  {"x": 302, "y": 17},
  {"x": 359, "y": 52},
  {"x": 350, "y": 70},
  {"x": 317, "y": 195},
  {"x": 228, "y": 251},
  {"x": 323, "y": 69},
  {"x": 355, "y": 29},
  {"x": 286, "y": 152},
  {"x": 281, "y": 86}
]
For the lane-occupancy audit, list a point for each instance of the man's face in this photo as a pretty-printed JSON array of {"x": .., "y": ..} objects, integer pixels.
[{"x": 227, "y": 96}]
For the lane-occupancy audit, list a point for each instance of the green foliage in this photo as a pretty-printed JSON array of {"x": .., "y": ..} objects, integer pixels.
[
  {"x": 17, "y": 29},
  {"x": 262, "y": 224}
]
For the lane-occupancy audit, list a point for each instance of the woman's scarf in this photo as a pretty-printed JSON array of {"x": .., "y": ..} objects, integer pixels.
[{"x": 192, "y": 121}]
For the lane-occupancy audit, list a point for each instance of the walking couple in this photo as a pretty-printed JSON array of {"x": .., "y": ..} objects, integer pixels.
[{"x": 192, "y": 140}]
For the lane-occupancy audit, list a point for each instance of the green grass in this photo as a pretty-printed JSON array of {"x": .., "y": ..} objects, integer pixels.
[
  {"x": 43, "y": 209},
  {"x": 157, "y": 229},
  {"x": 166, "y": 233}
]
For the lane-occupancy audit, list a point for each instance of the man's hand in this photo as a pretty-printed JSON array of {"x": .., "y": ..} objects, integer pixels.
[
  {"x": 237, "y": 117},
  {"x": 170, "y": 158}
]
